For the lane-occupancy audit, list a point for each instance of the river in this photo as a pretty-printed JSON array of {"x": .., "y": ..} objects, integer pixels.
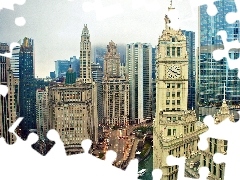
[{"x": 147, "y": 164}]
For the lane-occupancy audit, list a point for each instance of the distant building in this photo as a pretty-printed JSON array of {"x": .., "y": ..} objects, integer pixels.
[
  {"x": 115, "y": 89},
  {"x": 52, "y": 75},
  {"x": 8, "y": 104},
  {"x": 42, "y": 114},
  {"x": 97, "y": 75},
  {"x": 139, "y": 72},
  {"x": 75, "y": 63},
  {"x": 14, "y": 60},
  {"x": 70, "y": 76},
  {"x": 27, "y": 87},
  {"x": 61, "y": 67}
]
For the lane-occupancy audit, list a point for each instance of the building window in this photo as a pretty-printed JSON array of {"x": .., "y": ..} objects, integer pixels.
[
  {"x": 174, "y": 118},
  {"x": 174, "y": 132},
  {"x": 173, "y": 85},
  {"x": 167, "y": 102},
  {"x": 168, "y": 94},
  {"x": 178, "y": 85},
  {"x": 173, "y": 51},
  {"x": 173, "y": 102},
  {"x": 178, "y": 51},
  {"x": 168, "y": 51},
  {"x": 168, "y": 85},
  {"x": 169, "y": 118},
  {"x": 178, "y": 102},
  {"x": 173, "y": 94},
  {"x": 169, "y": 132},
  {"x": 178, "y": 94}
]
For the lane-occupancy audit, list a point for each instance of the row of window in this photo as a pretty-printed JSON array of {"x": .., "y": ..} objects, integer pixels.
[
  {"x": 173, "y": 85},
  {"x": 174, "y": 102},
  {"x": 173, "y": 94},
  {"x": 174, "y": 51}
]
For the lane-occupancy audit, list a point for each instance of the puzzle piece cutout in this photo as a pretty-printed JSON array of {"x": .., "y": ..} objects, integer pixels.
[
  {"x": 226, "y": 130},
  {"x": 3, "y": 90},
  {"x": 224, "y": 53},
  {"x": 193, "y": 9},
  {"x": 232, "y": 17},
  {"x": 9, "y": 4},
  {"x": 68, "y": 167},
  {"x": 102, "y": 12},
  {"x": 12, "y": 46},
  {"x": 180, "y": 162}
]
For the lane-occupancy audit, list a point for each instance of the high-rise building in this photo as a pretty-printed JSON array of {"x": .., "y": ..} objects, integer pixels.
[
  {"x": 85, "y": 56},
  {"x": 70, "y": 76},
  {"x": 212, "y": 74},
  {"x": 61, "y": 67},
  {"x": 115, "y": 89},
  {"x": 139, "y": 72},
  {"x": 97, "y": 75},
  {"x": 70, "y": 112},
  {"x": 9, "y": 102},
  {"x": 154, "y": 52},
  {"x": 190, "y": 39},
  {"x": 42, "y": 114},
  {"x": 175, "y": 130},
  {"x": 27, "y": 87},
  {"x": 75, "y": 63},
  {"x": 14, "y": 60}
]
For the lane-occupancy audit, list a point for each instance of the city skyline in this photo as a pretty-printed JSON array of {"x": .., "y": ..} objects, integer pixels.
[{"x": 65, "y": 28}]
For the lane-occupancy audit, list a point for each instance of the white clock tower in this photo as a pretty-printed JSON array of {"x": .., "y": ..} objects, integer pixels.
[{"x": 175, "y": 129}]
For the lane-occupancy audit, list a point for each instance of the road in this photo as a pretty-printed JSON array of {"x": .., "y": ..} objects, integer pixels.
[{"x": 117, "y": 144}]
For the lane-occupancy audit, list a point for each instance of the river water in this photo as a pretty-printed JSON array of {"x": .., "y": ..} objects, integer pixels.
[{"x": 147, "y": 164}]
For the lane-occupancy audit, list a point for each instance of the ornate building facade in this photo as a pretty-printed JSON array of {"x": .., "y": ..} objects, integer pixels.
[
  {"x": 115, "y": 89},
  {"x": 8, "y": 104},
  {"x": 73, "y": 103},
  {"x": 176, "y": 129}
]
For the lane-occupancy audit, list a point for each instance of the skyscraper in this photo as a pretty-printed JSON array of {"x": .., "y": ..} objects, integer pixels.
[
  {"x": 27, "y": 87},
  {"x": 61, "y": 67},
  {"x": 190, "y": 39},
  {"x": 85, "y": 56},
  {"x": 8, "y": 103},
  {"x": 175, "y": 129},
  {"x": 115, "y": 89},
  {"x": 212, "y": 74},
  {"x": 97, "y": 75},
  {"x": 139, "y": 72}
]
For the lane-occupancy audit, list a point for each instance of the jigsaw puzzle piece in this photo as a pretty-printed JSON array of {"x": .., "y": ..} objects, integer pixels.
[
  {"x": 3, "y": 90},
  {"x": 232, "y": 17},
  {"x": 157, "y": 174},
  {"x": 224, "y": 53},
  {"x": 229, "y": 131},
  {"x": 180, "y": 162},
  {"x": 9, "y": 4},
  {"x": 12, "y": 46}
]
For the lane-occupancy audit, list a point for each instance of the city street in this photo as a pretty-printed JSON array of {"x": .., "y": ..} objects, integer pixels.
[{"x": 117, "y": 144}]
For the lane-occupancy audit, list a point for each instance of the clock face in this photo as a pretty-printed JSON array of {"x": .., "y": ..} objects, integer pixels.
[{"x": 173, "y": 72}]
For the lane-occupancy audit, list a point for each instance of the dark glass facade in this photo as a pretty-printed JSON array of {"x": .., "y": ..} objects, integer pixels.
[
  {"x": 190, "y": 36},
  {"x": 27, "y": 87}
]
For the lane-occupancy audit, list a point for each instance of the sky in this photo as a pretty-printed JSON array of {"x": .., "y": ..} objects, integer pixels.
[{"x": 56, "y": 25}]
